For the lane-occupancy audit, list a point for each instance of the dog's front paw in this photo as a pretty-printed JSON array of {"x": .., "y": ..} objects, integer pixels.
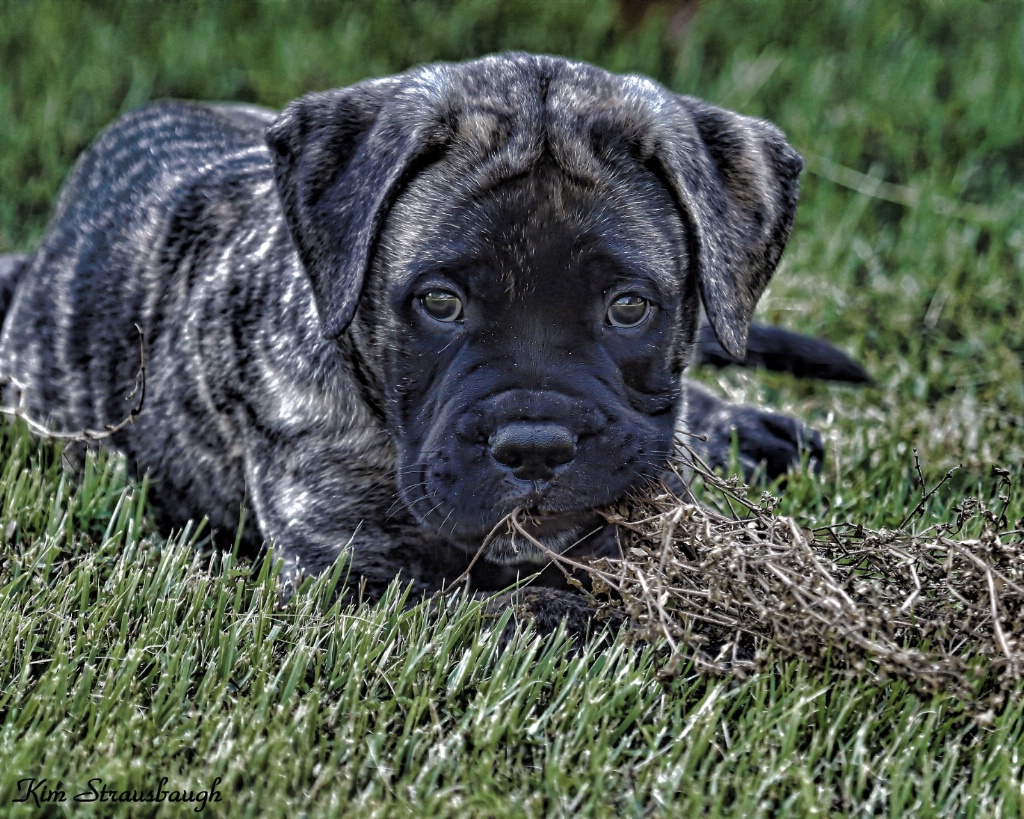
[
  {"x": 767, "y": 440},
  {"x": 764, "y": 439}
]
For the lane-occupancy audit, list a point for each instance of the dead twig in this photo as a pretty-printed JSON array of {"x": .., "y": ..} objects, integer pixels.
[{"x": 735, "y": 588}]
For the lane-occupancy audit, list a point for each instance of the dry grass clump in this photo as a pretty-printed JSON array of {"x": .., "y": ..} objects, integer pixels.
[{"x": 741, "y": 589}]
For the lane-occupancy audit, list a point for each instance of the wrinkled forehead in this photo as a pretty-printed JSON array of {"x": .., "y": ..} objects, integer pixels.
[
  {"x": 543, "y": 156},
  {"x": 467, "y": 209},
  {"x": 457, "y": 212}
]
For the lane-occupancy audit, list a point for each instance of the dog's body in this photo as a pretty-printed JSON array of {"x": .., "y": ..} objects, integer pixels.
[{"x": 434, "y": 299}]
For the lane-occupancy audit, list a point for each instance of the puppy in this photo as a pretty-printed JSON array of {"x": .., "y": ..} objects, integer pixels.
[{"x": 398, "y": 312}]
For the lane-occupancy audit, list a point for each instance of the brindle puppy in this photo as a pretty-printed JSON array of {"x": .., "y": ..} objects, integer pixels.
[{"x": 399, "y": 311}]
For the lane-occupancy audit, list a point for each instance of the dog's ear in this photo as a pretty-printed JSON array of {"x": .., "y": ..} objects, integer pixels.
[
  {"x": 339, "y": 158},
  {"x": 737, "y": 181}
]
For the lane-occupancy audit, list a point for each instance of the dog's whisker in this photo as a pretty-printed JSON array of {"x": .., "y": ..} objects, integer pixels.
[
  {"x": 443, "y": 523},
  {"x": 398, "y": 504}
]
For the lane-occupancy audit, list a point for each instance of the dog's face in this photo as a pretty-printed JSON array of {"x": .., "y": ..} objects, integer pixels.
[
  {"x": 517, "y": 249},
  {"x": 531, "y": 330}
]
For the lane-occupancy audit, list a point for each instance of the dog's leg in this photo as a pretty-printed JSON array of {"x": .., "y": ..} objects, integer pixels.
[{"x": 763, "y": 438}]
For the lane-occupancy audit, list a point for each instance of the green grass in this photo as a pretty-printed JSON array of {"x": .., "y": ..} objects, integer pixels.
[{"x": 126, "y": 655}]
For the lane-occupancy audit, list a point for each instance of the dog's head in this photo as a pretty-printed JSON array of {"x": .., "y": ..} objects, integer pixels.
[{"x": 516, "y": 249}]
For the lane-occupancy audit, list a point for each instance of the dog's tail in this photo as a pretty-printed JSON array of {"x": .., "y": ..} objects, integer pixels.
[
  {"x": 772, "y": 348},
  {"x": 12, "y": 265}
]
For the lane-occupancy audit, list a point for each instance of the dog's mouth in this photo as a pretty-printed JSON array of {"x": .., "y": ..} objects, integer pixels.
[
  {"x": 535, "y": 535},
  {"x": 538, "y": 515},
  {"x": 540, "y": 521},
  {"x": 484, "y": 512}
]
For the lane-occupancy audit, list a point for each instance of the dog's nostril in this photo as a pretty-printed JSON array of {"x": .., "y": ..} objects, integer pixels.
[{"x": 533, "y": 450}]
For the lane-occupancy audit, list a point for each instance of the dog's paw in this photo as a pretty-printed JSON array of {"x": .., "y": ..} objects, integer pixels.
[{"x": 765, "y": 440}]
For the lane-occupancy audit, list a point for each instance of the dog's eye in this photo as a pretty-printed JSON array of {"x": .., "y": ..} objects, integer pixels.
[
  {"x": 442, "y": 305},
  {"x": 628, "y": 310}
]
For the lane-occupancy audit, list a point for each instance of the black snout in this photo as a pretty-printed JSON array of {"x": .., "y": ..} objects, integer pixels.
[{"x": 533, "y": 450}]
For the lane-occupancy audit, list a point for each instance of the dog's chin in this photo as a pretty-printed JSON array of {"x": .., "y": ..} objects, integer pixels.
[
  {"x": 537, "y": 540},
  {"x": 524, "y": 539},
  {"x": 527, "y": 528}
]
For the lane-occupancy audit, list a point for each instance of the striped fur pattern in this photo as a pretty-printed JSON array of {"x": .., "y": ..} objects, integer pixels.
[{"x": 277, "y": 267}]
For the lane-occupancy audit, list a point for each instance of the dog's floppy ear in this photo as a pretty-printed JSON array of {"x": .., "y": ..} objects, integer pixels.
[
  {"x": 339, "y": 158},
  {"x": 737, "y": 181}
]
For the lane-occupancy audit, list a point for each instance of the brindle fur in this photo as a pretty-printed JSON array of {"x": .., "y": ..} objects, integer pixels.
[{"x": 274, "y": 265}]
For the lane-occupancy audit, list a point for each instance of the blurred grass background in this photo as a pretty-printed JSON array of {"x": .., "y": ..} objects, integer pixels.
[{"x": 908, "y": 251}]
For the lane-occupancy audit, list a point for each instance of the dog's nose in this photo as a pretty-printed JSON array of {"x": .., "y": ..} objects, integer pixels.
[{"x": 532, "y": 450}]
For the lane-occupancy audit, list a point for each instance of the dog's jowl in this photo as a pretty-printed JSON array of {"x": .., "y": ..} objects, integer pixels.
[{"x": 398, "y": 312}]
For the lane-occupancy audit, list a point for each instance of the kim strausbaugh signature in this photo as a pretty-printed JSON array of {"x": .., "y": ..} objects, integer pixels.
[{"x": 41, "y": 792}]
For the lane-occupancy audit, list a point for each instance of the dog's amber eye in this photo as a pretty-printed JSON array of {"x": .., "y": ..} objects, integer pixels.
[
  {"x": 442, "y": 305},
  {"x": 628, "y": 310}
]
